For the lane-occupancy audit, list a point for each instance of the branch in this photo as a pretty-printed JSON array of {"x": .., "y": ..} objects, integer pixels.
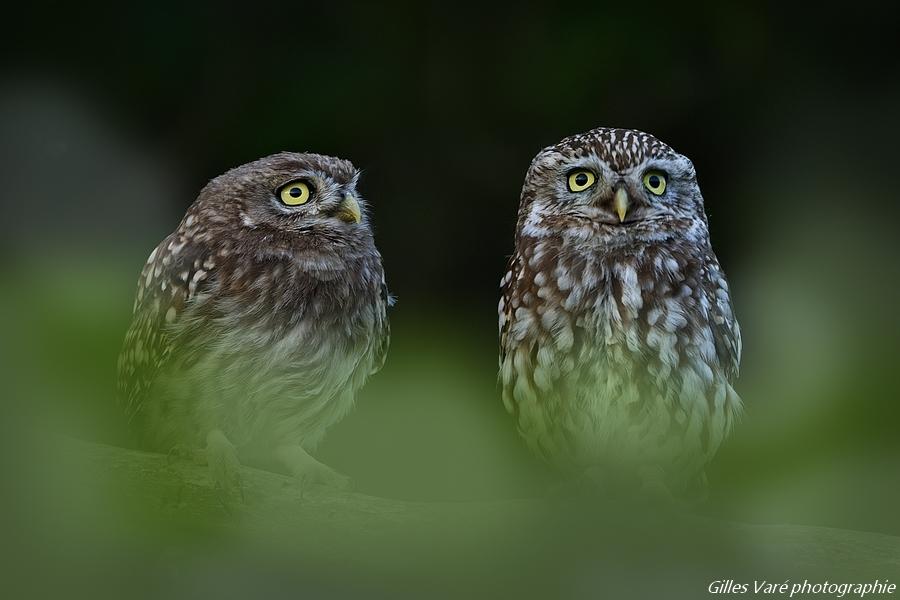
[{"x": 335, "y": 523}]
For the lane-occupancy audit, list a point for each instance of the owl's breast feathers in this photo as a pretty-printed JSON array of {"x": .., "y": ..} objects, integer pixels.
[
  {"x": 201, "y": 295},
  {"x": 633, "y": 338}
]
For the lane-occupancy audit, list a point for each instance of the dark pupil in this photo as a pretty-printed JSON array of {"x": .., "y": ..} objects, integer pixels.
[
  {"x": 295, "y": 192},
  {"x": 581, "y": 179},
  {"x": 654, "y": 181}
]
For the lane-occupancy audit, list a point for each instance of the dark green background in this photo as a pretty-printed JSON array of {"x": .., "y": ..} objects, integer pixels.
[{"x": 444, "y": 106}]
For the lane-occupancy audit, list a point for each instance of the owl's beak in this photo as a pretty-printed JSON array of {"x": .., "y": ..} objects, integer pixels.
[
  {"x": 348, "y": 210},
  {"x": 620, "y": 203}
]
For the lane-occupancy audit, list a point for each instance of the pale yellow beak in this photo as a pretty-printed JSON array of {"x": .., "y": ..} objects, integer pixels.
[
  {"x": 620, "y": 203},
  {"x": 348, "y": 210}
]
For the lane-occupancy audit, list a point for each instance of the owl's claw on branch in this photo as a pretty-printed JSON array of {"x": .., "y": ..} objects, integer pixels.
[
  {"x": 309, "y": 471},
  {"x": 224, "y": 468},
  {"x": 324, "y": 476},
  {"x": 186, "y": 452}
]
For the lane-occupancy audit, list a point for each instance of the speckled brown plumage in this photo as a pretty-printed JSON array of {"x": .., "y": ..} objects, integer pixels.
[
  {"x": 618, "y": 344},
  {"x": 255, "y": 322}
]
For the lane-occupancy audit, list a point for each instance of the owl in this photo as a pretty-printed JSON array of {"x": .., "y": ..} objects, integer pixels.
[
  {"x": 258, "y": 320},
  {"x": 619, "y": 347}
]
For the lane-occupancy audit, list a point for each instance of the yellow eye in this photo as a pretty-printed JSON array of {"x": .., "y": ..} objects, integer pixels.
[
  {"x": 295, "y": 193},
  {"x": 655, "y": 181},
  {"x": 581, "y": 180}
]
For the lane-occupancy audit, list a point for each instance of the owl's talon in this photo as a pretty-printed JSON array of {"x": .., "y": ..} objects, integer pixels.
[
  {"x": 308, "y": 471},
  {"x": 174, "y": 453},
  {"x": 185, "y": 452},
  {"x": 328, "y": 477},
  {"x": 321, "y": 475},
  {"x": 224, "y": 468}
]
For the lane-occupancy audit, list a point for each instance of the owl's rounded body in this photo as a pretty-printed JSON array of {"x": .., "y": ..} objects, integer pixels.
[
  {"x": 262, "y": 371},
  {"x": 258, "y": 320},
  {"x": 618, "y": 341}
]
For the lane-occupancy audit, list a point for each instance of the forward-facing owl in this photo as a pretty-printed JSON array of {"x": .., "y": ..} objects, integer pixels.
[
  {"x": 618, "y": 343},
  {"x": 258, "y": 319}
]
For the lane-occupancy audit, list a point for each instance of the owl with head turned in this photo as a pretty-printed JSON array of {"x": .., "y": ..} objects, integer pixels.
[
  {"x": 619, "y": 347},
  {"x": 258, "y": 320}
]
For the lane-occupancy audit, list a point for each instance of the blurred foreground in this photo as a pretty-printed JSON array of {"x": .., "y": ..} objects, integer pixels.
[{"x": 447, "y": 499}]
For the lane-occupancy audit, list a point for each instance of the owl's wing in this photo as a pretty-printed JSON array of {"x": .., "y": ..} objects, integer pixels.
[
  {"x": 505, "y": 308},
  {"x": 176, "y": 273},
  {"x": 726, "y": 331},
  {"x": 383, "y": 328}
]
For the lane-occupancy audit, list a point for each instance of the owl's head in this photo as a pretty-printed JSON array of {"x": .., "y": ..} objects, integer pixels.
[
  {"x": 612, "y": 187},
  {"x": 288, "y": 197}
]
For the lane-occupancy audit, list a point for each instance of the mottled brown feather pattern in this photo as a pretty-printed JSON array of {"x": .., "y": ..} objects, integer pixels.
[
  {"x": 618, "y": 343},
  {"x": 255, "y": 318}
]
